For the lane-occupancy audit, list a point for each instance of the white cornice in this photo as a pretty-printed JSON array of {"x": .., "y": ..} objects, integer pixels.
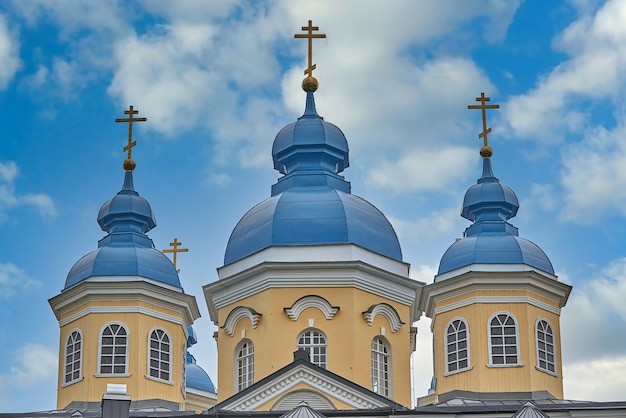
[
  {"x": 491, "y": 268},
  {"x": 275, "y": 388},
  {"x": 122, "y": 309},
  {"x": 314, "y": 253},
  {"x": 356, "y": 274},
  {"x": 311, "y": 301},
  {"x": 141, "y": 291},
  {"x": 497, "y": 299},
  {"x": 532, "y": 281}
]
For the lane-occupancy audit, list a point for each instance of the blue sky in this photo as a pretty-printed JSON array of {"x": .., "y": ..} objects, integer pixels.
[{"x": 217, "y": 80}]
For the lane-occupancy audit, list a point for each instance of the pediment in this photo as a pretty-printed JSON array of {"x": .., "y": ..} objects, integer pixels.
[{"x": 304, "y": 377}]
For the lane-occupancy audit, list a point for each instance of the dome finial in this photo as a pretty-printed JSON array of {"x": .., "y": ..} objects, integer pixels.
[
  {"x": 129, "y": 164},
  {"x": 485, "y": 151},
  {"x": 310, "y": 84}
]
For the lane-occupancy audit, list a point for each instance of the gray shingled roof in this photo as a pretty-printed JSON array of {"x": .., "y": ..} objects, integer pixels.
[
  {"x": 529, "y": 410},
  {"x": 303, "y": 410}
]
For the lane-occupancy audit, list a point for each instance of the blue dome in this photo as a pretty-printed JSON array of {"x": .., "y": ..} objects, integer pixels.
[
  {"x": 491, "y": 239},
  {"x": 311, "y": 204},
  {"x": 196, "y": 377},
  {"x": 309, "y": 216},
  {"x": 125, "y": 250}
]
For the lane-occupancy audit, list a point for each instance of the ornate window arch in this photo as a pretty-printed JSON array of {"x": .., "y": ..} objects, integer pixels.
[
  {"x": 546, "y": 357},
  {"x": 381, "y": 366},
  {"x": 503, "y": 340},
  {"x": 113, "y": 348},
  {"x": 244, "y": 365},
  {"x": 457, "y": 346},
  {"x": 73, "y": 357},
  {"x": 314, "y": 342},
  {"x": 159, "y": 355}
]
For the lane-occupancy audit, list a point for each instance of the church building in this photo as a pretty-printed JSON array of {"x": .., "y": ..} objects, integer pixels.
[{"x": 315, "y": 306}]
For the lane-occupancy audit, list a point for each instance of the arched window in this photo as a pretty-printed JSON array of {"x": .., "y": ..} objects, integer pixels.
[
  {"x": 113, "y": 349},
  {"x": 314, "y": 342},
  {"x": 159, "y": 362},
  {"x": 503, "y": 340},
  {"x": 245, "y": 365},
  {"x": 73, "y": 357},
  {"x": 545, "y": 347},
  {"x": 457, "y": 346},
  {"x": 381, "y": 366}
]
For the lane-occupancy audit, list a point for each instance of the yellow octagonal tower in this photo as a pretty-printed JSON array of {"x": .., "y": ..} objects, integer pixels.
[
  {"x": 314, "y": 267},
  {"x": 123, "y": 314},
  {"x": 495, "y": 303}
]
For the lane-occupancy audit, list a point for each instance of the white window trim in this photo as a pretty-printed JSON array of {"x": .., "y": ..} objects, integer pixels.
[
  {"x": 517, "y": 342},
  {"x": 126, "y": 365},
  {"x": 553, "y": 373},
  {"x": 80, "y": 362},
  {"x": 445, "y": 345},
  {"x": 236, "y": 365},
  {"x": 312, "y": 329},
  {"x": 390, "y": 370},
  {"x": 169, "y": 371}
]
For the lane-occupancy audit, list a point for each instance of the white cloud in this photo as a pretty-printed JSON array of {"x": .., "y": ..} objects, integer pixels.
[
  {"x": 9, "y": 54},
  {"x": 35, "y": 362},
  {"x": 594, "y": 71},
  {"x": 594, "y": 175},
  {"x": 9, "y": 199},
  {"x": 424, "y": 169},
  {"x": 14, "y": 280},
  {"x": 592, "y": 338}
]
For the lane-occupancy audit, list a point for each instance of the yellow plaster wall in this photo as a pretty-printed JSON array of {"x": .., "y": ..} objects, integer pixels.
[
  {"x": 348, "y": 337},
  {"x": 91, "y": 388},
  {"x": 482, "y": 378}
]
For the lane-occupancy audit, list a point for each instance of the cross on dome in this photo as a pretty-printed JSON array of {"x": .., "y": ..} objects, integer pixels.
[
  {"x": 310, "y": 83},
  {"x": 175, "y": 250},
  {"x": 129, "y": 164},
  {"x": 485, "y": 151}
]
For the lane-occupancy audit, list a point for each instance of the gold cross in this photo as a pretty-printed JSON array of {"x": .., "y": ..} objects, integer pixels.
[
  {"x": 483, "y": 106},
  {"x": 309, "y": 35},
  {"x": 175, "y": 250},
  {"x": 130, "y": 112}
]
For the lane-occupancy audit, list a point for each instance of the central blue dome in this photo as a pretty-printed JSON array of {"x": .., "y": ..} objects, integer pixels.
[
  {"x": 126, "y": 250},
  {"x": 312, "y": 204}
]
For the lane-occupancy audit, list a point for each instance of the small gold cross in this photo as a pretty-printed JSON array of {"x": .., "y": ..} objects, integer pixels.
[
  {"x": 175, "y": 250},
  {"x": 130, "y": 112},
  {"x": 310, "y": 35},
  {"x": 483, "y": 106}
]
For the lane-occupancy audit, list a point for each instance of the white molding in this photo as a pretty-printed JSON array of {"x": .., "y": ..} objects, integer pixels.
[
  {"x": 200, "y": 392},
  {"x": 492, "y": 268},
  {"x": 497, "y": 299},
  {"x": 229, "y": 290},
  {"x": 528, "y": 281},
  {"x": 136, "y": 291},
  {"x": 311, "y": 301},
  {"x": 275, "y": 388},
  {"x": 386, "y": 311},
  {"x": 120, "y": 309},
  {"x": 236, "y": 315}
]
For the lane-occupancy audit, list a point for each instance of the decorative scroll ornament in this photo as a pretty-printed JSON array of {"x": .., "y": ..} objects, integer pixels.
[{"x": 385, "y": 310}]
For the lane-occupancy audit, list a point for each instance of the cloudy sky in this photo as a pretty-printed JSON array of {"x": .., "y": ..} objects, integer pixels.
[{"x": 217, "y": 80}]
